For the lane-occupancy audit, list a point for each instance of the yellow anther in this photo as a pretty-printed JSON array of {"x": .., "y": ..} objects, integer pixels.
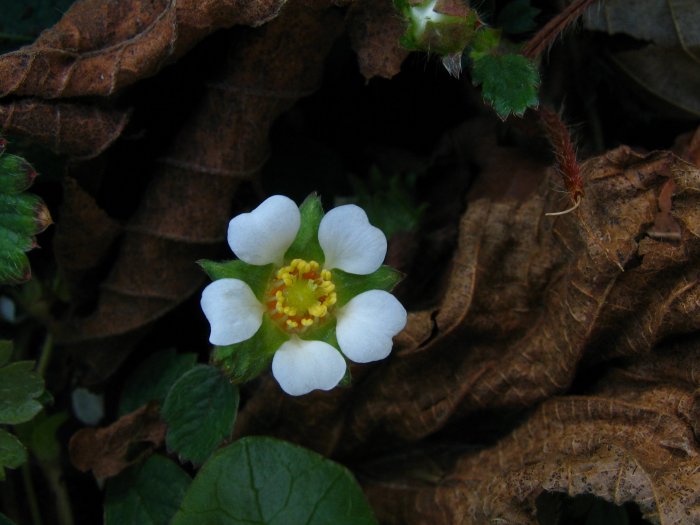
[
  {"x": 307, "y": 321},
  {"x": 292, "y": 324},
  {"x": 318, "y": 310},
  {"x": 331, "y": 299},
  {"x": 326, "y": 275}
]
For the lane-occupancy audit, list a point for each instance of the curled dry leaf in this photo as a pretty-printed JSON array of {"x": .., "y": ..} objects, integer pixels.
[
  {"x": 99, "y": 47},
  {"x": 109, "y": 450},
  {"x": 76, "y": 130},
  {"x": 632, "y": 440},
  {"x": 528, "y": 299},
  {"x": 224, "y": 143}
]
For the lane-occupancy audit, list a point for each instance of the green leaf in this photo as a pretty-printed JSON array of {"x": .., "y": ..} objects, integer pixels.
[
  {"x": 306, "y": 245},
  {"x": 20, "y": 386},
  {"x": 259, "y": 480},
  {"x": 16, "y": 174},
  {"x": 509, "y": 82},
  {"x": 6, "y": 348},
  {"x": 518, "y": 17},
  {"x": 388, "y": 202},
  {"x": 248, "y": 359},
  {"x": 41, "y": 436},
  {"x": 12, "y": 452},
  {"x": 200, "y": 410},
  {"x": 153, "y": 378},
  {"x": 348, "y": 285},
  {"x": 257, "y": 277},
  {"x": 4, "y": 520},
  {"x": 147, "y": 494}
]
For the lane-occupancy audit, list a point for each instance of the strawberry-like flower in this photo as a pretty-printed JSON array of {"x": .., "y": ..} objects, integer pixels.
[{"x": 306, "y": 292}]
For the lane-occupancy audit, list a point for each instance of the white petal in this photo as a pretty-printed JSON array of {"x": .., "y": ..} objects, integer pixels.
[
  {"x": 233, "y": 311},
  {"x": 367, "y": 323},
  {"x": 263, "y": 235},
  {"x": 350, "y": 242},
  {"x": 302, "y": 366}
]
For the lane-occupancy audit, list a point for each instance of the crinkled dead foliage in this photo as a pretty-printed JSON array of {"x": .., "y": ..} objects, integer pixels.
[{"x": 572, "y": 335}]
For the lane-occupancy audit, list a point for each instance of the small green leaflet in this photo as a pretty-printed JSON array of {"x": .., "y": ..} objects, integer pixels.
[
  {"x": 509, "y": 82},
  {"x": 20, "y": 389},
  {"x": 200, "y": 410},
  {"x": 146, "y": 494},
  {"x": 12, "y": 452},
  {"x": 152, "y": 380},
  {"x": 263, "y": 481}
]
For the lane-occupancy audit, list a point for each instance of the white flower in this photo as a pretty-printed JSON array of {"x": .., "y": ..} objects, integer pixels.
[{"x": 301, "y": 294}]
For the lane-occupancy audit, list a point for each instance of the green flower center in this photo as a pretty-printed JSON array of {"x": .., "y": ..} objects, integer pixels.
[{"x": 300, "y": 295}]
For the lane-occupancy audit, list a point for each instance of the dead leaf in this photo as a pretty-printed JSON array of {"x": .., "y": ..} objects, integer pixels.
[
  {"x": 98, "y": 47},
  {"x": 375, "y": 28},
  {"x": 528, "y": 301},
  {"x": 77, "y": 130},
  {"x": 109, "y": 450},
  {"x": 185, "y": 209}
]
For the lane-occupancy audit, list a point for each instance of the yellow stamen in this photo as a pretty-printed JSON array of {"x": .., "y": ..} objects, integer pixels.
[{"x": 302, "y": 294}]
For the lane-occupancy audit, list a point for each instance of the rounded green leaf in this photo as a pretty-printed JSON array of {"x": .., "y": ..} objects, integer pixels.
[
  {"x": 152, "y": 380},
  {"x": 20, "y": 387},
  {"x": 148, "y": 494},
  {"x": 265, "y": 481},
  {"x": 12, "y": 452},
  {"x": 200, "y": 410}
]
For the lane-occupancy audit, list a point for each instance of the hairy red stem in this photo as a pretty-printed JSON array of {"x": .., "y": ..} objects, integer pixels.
[{"x": 555, "y": 27}]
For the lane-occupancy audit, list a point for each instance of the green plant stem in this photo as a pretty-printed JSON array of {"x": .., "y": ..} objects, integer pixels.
[
  {"x": 45, "y": 355},
  {"x": 53, "y": 475},
  {"x": 31, "y": 494}
]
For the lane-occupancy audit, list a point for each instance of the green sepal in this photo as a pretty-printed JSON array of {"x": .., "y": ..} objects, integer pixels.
[
  {"x": 6, "y": 349},
  {"x": 348, "y": 285},
  {"x": 14, "y": 267},
  {"x": 12, "y": 452},
  {"x": 246, "y": 360},
  {"x": 10, "y": 239},
  {"x": 16, "y": 174},
  {"x": 24, "y": 213},
  {"x": 324, "y": 331},
  {"x": 444, "y": 34},
  {"x": 306, "y": 245},
  {"x": 20, "y": 387},
  {"x": 257, "y": 277}
]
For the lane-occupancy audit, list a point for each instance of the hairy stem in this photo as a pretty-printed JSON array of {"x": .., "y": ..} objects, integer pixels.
[{"x": 555, "y": 27}]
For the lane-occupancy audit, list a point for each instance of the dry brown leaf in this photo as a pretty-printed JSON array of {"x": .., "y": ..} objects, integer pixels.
[
  {"x": 375, "y": 29},
  {"x": 100, "y": 47},
  {"x": 109, "y": 450},
  {"x": 184, "y": 212},
  {"x": 77, "y": 130},
  {"x": 529, "y": 298},
  {"x": 632, "y": 440}
]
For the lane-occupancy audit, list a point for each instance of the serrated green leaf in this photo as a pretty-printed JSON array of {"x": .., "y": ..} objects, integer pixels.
[
  {"x": 147, "y": 494},
  {"x": 509, "y": 82},
  {"x": 6, "y": 349},
  {"x": 257, "y": 277},
  {"x": 12, "y": 452},
  {"x": 518, "y": 17},
  {"x": 200, "y": 410},
  {"x": 248, "y": 359},
  {"x": 348, "y": 285},
  {"x": 4, "y": 520},
  {"x": 14, "y": 267},
  {"x": 306, "y": 245},
  {"x": 20, "y": 386},
  {"x": 259, "y": 480},
  {"x": 16, "y": 174},
  {"x": 152, "y": 380}
]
